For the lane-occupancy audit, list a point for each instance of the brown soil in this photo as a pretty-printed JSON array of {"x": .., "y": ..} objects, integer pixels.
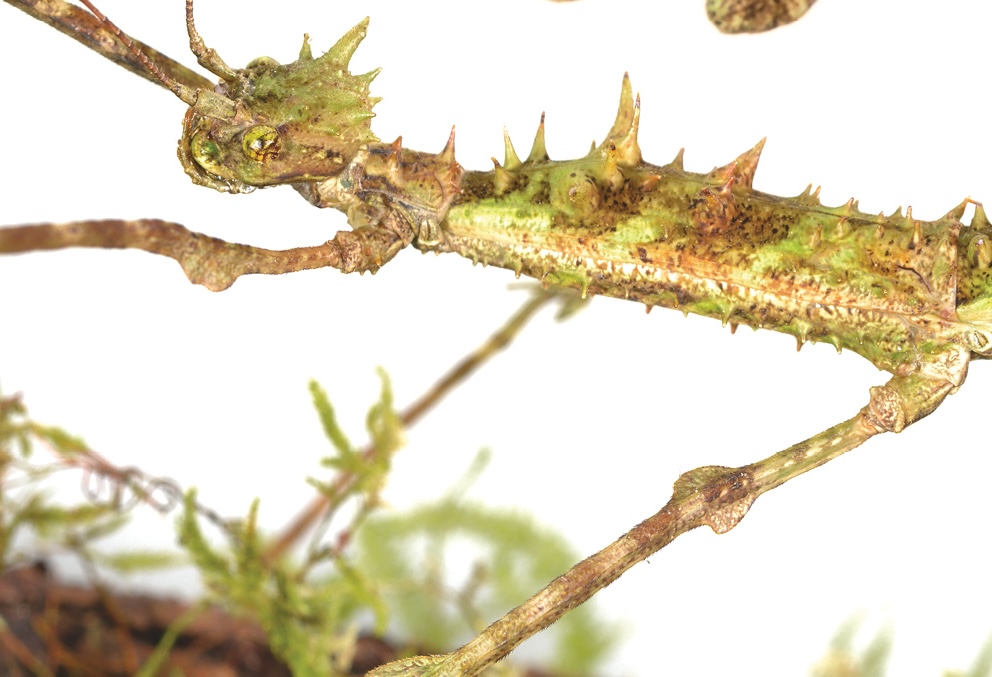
[{"x": 58, "y": 629}]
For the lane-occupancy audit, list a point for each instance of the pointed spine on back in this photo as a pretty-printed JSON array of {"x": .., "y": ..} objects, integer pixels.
[{"x": 538, "y": 152}]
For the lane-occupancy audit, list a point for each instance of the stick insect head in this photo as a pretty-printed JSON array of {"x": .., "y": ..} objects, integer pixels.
[{"x": 271, "y": 123}]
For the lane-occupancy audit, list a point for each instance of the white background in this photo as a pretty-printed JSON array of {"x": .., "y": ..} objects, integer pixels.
[{"x": 592, "y": 420}]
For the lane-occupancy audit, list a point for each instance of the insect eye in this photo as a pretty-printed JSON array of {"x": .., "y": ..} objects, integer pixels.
[
  {"x": 207, "y": 153},
  {"x": 262, "y": 143}
]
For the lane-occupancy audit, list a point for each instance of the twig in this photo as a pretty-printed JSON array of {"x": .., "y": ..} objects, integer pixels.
[
  {"x": 499, "y": 340},
  {"x": 715, "y": 496},
  {"x": 20, "y": 652}
]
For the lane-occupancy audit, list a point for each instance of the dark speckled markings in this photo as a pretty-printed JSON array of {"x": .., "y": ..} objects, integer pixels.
[
  {"x": 890, "y": 288},
  {"x": 914, "y": 297}
]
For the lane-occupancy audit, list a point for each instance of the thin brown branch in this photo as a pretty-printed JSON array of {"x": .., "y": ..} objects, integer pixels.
[
  {"x": 321, "y": 504},
  {"x": 714, "y": 496},
  {"x": 82, "y": 26}
]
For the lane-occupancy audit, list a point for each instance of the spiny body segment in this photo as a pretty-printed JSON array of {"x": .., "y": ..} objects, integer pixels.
[
  {"x": 894, "y": 289},
  {"x": 610, "y": 223}
]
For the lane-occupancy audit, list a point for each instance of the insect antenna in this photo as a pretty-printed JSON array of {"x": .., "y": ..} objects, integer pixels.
[
  {"x": 206, "y": 57},
  {"x": 187, "y": 94}
]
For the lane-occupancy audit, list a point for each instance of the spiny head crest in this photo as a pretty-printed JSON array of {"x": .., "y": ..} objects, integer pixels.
[
  {"x": 272, "y": 123},
  {"x": 980, "y": 220}
]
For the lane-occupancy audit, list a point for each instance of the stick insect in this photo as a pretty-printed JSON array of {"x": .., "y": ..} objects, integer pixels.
[{"x": 666, "y": 387}]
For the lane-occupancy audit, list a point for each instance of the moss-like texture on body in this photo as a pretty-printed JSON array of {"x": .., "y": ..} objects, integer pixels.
[
  {"x": 886, "y": 287},
  {"x": 894, "y": 289}
]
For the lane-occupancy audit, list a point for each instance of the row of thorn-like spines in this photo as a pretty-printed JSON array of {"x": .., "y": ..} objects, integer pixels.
[
  {"x": 445, "y": 170},
  {"x": 620, "y": 149},
  {"x": 443, "y": 159}
]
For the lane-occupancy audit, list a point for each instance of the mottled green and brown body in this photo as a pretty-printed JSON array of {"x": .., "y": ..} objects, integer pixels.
[
  {"x": 894, "y": 289},
  {"x": 914, "y": 297},
  {"x": 900, "y": 291},
  {"x": 889, "y": 288}
]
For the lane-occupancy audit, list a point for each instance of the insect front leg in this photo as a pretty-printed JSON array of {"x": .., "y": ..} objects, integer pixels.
[{"x": 209, "y": 261}]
